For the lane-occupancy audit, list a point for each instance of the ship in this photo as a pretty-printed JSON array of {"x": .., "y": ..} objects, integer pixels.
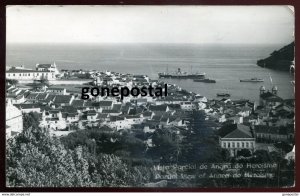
[
  {"x": 181, "y": 75},
  {"x": 252, "y": 80},
  {"x": 223, "y": 95},
  {"x": 206, "y": 80}
]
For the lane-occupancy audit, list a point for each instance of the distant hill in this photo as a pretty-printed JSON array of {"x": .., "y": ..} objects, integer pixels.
[{"x": 279, "y": 59}]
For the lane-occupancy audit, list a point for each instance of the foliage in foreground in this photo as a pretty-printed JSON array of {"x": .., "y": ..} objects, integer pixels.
[{"x": 34, "y": 159}]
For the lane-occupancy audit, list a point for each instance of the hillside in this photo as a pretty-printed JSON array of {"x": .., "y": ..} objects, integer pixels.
[{"x": 279, "y": 59}]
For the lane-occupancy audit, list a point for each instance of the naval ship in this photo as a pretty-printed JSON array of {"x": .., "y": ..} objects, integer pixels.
[{"x": 181, "y": 75}]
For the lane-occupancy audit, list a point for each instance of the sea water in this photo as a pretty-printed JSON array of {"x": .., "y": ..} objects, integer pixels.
[{"x": 226, "y": 64}]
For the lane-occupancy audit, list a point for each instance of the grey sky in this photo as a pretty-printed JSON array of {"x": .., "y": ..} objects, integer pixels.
[{"x": 150, "y": 24}]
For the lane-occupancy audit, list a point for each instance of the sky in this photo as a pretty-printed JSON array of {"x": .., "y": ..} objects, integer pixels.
[{"x": 150, "y": 24}]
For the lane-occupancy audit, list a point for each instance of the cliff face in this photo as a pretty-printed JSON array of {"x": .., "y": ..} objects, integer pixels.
[{"x": 279, "y": 59}]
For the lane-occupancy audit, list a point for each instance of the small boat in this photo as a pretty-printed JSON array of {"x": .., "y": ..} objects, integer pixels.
[
  {"x": 293, "y": 82},
  {"x": 252, "y": 80},
  {"x": 206, "y": 80},
  {"x": 223, "y": 94}
]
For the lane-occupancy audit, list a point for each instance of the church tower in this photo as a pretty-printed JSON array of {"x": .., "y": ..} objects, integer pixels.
[
  {"x": 274, "y": 90},
  {"x": 262, "y": 90}
]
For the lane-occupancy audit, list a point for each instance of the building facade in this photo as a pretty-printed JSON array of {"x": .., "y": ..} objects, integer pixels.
[
  {"x": 14, "y": 120},
  {"x": 237, "y": 137},
  {"x": 42, "y": 72}
]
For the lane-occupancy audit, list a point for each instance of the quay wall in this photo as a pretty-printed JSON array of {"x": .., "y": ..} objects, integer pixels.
[
  {"x": 57, "y": 82},
  {"x": 81, "y": 81}
]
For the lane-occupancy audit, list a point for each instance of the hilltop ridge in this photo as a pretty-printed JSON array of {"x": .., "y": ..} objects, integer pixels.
[{"x": 280, "y": 59}]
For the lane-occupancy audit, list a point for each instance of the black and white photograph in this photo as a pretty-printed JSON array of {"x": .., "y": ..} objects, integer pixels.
[{"x": 150, "y": 96}]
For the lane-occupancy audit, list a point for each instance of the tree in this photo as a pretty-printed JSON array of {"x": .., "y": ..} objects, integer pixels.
[
  {"x": 35, "y": 159},
  {"x": 12, "y": 81},
  {"x": 31, "y": 120},
  {"x": 244, "y": 153}
]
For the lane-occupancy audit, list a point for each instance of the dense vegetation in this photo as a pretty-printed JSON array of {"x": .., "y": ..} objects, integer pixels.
[
  {"x": 99, "y": 157},
  {"x": 280, "y": 60}
]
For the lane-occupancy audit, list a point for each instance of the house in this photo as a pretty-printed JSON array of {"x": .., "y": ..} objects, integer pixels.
[
  {"x": 187, "y": 105},
  {"x": 30, "y": 107},
  {"x": 91, "y": 115},
  {"x": 28, "y": 74},
  {"x": 57, "y": 91},
  {"x": 15, "y": 99},
  {"x": 158, "y": 108},
  {"x": 42, "y": 96},
  {"x": 49, "y": 99},
  {"x": 53, "y": 120},
  {"x": 78, "y": 103},
  {"x": 118, "y": 123},
  {"x": 106, "y": 105},
  {"x": 47, "y": 67},
  {"x": 272, "y": 133},
  {"x": 32, "y": 97},
  {"x": 63, "y": 100},
  {"x": 14, "y": 120},
  {"x": 235, "y": 137},
  {"x": 70, "y": 114}
]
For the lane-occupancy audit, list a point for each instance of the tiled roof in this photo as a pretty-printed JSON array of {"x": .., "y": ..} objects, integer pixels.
[
  {"x": 62, "y": 98},
  {"x": 270, "y": 130},
  {"x": 32, "y": 96},
  {"x": 91, "y": 112},
  {"x": 270, "y": 97},
  {"x": 55, "y": 88},
  {"x": 27, "y": 106},
  {"x": 117, "y": 107},
  {"x": 50, "y": 98},
  {"x": 44, "y": 65},
  {"x": 105, "y": 103},
  {"x": 42, "y": 96},
  {"x": 78, "y": 103},
  {"x": 14, "y": 70},
  {"x": 110, "y": 111},
  {"x": 69, "y": 109},
  {"x": 158, "y": 107},
  {"x": 238, "y": 131}
]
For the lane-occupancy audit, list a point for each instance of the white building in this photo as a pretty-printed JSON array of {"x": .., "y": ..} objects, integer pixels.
[
  {"x": 14, "y": 120},
  {"x": 25, "y": 74},
  {"x": 237, "y": 137},
  {"x": 42, "y": 71},
  {"x": 47, "y": 67}
]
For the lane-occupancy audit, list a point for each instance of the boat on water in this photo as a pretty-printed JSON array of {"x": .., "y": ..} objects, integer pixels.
[
  {"x": 206, "y": 80},
  {"x": 181, "y": 75},
  {"x": 223, "y": 95},
  {"x": 252, "y": 80},
  {"x": 293, "y": 82}
]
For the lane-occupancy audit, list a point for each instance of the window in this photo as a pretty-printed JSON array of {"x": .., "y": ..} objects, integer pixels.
[
  {"x": 8, "y": 74},
  {"x": 233, "y": 145},
  {"x": 238, "y": 144},
  {"x": 13, "y": 74},
  {"x": 28, "y": 74},
  {"x": 228, "y": 144},
  {"x": 247, "y": 145},
  {"x": 243, "y": 146},
  {"x": 252, "y": 145},
  {"x": 20, "y": 74},
  {"x": 224, "y": 144}
]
